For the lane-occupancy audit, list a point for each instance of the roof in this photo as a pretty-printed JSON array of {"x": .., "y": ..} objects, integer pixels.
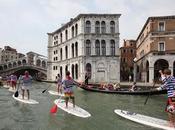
[
  {"x": 78, "y": 17},
  {"x": 154, "y": 18}
]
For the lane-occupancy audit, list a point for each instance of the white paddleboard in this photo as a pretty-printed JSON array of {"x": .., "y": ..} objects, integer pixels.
[
  {"x": 55, "y": 93},
  {"x": 6, "y": 86},
  {"x": 12, "y": 90},
  {"x": 77, "y": 111},
  {"x": 146, "y": 120},
  {"x": 25, "y": 100}
]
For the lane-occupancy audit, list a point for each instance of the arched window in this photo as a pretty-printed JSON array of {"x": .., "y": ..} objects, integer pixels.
[
  {"x": 88, "y": 27},
  {"x": 97, "y": 47},
  {"x": 61, "y": 71},
  {"x": 76, "y": 29},
  {"x": 103, "y": 47},
  {"x": 61, "y": 37},
  {"x": 61, "y": 54},
  {"x": 66, "y": 69},
  {"x": 66, "y": 34},
  {"x": 103, "y": 27},
  {"x": 89, "y": 70},
  {"x": 72, "y": 31},
  {"x": 72, "y": 72},
  {"x": 97, "y": 27},
  {"x": 112, "y": 47},
  {"x": 66, "y": 52},
  {"x": 76, "y": 49},
  {"x": 88, "y": 47},
  {"x": 76, "y": 71},
  {"x": 112, "y": 27},
  {"x": 72, "y": 50}
]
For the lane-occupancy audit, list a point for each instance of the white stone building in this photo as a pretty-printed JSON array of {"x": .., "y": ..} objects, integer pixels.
[{"x": 87, "y": 43}]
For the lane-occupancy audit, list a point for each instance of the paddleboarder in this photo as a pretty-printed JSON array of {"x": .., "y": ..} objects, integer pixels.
[
  {"x": 59, "y": 83},
  {"x": 13, "y": 80},
  {"x": 68, "y": 84},
  {"x": 27, "y": 84},
  {"x": 169, "y": 85}
]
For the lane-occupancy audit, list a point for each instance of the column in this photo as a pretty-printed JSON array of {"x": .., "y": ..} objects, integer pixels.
[
  {"x": 151, "y": 74},
  {"x": 135, "y": 71}
]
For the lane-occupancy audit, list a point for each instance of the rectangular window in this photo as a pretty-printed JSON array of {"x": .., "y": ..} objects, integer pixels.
[
  {"x": 161, "y": 46},
  {"x": 161, "y": 26}
]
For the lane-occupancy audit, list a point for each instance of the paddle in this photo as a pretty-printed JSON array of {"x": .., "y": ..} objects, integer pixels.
[
  {"x": 55, "y": 107},
  {"x": 17, "y": 93},
  {"x": 149, "y": 94},
  {"x": 46, "y": 89}
]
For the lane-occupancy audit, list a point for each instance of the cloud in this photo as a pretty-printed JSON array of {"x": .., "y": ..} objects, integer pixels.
[{"x": 24, "y": 23}]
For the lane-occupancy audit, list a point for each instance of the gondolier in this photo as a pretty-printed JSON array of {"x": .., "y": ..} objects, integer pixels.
[{"x": 169, "y": 85}]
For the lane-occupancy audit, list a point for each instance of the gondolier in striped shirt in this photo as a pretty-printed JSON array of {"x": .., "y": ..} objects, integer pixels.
[{"x": 169, "y": 85}]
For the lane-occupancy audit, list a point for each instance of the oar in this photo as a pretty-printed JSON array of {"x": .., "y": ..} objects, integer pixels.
[
  {"x": 16, "y": 93},
  {"x": 149, "y": 94},
  {"x": 55, "y": 107},
  {"x": 46, "y": 89}
]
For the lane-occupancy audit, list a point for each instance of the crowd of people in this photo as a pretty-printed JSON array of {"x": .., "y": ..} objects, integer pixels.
[{"x": 24, "y": 82}]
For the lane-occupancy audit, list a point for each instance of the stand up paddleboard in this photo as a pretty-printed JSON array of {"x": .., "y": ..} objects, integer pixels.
[
  {"x": 146, "y": 120},
  {"x": 77, "y": 111},
  {"x": 6, "y": 86},
  {"x": 25, "y": 100},
  {"x": 55, "y": 93},
  {"x": 12, "y": 90}
]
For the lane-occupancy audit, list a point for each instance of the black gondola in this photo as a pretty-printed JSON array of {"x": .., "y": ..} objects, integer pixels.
[{"x": 125, "y": 91}]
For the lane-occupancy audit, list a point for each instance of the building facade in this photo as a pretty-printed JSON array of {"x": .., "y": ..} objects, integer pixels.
[
  {"x": 128, "y": 53},
  {"x": 155, "y": 48},
  {"x": 89, "y": 43},
  {"x": 0, "y": 55},
  {"x": 9, "y": 54}
]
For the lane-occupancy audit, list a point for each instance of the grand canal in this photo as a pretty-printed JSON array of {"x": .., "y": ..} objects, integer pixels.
[{"x": 15, "y": 115}]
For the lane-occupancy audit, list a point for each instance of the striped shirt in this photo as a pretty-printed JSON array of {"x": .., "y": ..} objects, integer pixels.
[{"x": 169, "y": 85}]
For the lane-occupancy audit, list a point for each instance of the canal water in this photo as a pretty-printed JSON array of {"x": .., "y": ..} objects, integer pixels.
[{"x": 15, "y": 115}]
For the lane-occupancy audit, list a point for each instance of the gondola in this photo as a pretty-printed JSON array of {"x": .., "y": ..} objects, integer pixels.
[{"x": 125, "y": 91}]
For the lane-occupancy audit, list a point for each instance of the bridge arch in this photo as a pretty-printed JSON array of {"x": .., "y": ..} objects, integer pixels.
[
  {"x": 1, "y": 67},
  {"x": 19, "y": 63},
  {"x": 24, "y": 61},
  {"x": 5, "y": 67},
  {"x": 38, "y": 62},
  {"x": 9, "y": 65},
  {"x": 44, "y": 64},
  {"x": 14, "y": 64}
]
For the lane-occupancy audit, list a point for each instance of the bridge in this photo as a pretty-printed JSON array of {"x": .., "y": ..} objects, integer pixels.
[{"x": 35, "y": 63}]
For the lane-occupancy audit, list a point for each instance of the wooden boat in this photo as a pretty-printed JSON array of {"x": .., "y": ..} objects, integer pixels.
[{"x": 124, "y": 91}]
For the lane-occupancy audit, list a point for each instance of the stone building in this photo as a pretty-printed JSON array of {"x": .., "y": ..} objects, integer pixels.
[
  {"x": 87, "y": 43},
  {"x": 128, "y": 53},
  {"x": 0, "y": 55},
  {"x": 155, "y": 48}
]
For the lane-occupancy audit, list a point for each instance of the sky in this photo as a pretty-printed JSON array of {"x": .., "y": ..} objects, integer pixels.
[{"x": 24, "y": 24}]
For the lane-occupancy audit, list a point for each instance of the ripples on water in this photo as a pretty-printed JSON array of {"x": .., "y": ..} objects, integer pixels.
[{"x": 15, "y": 115}]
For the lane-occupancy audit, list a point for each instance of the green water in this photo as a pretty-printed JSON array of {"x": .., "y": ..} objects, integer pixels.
[{"x": 15, "y": 115}]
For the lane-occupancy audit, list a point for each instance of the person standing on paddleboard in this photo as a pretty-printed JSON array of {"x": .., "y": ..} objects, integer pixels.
[
  {"x": 68, "y": 84},
  {"x": 27, "y": 84},
  {"x": 169, "y": 85},
  {"x": 59, "y": 84},
  {"x": 13, "y": 80}
]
